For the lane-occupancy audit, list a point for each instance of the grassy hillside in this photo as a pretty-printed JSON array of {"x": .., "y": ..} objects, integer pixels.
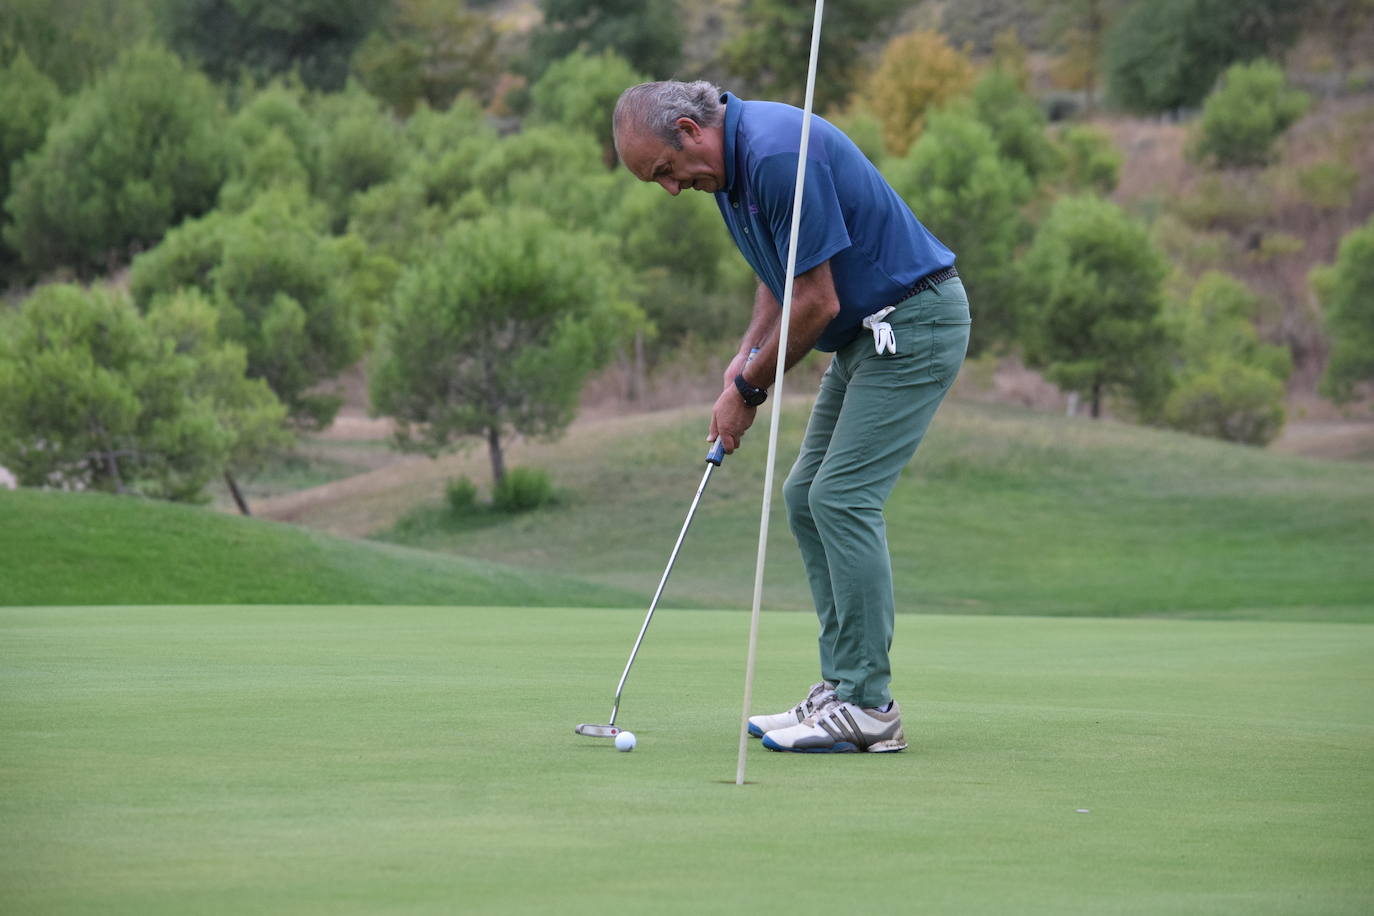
[
  {"x": 86, "y": 548},
  {"x": 1003, "y": 511}
]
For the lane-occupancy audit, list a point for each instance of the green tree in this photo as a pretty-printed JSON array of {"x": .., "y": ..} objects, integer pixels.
[
  {"x": 772, "y": 48},
  {"x": 73, "y": 41},
  {"x": 292, "y": 295},
  {"x": 496, "y": 332},
  {"x": 522, "y": 167},
  {"x": 361, "y": 146},
  {"x": 1017, "y": 124},
  {"x": 315, "y": 39},
  {"x": 1229, "y": 384},
  {"x": 135, "y": 154},
  {"x": 1091, "y": 160},
  {"x": 430, "y": 51},
  {"x": 29, "y": 102},
  {"x": 579, "y": 92},
  {"x": 971, "y": 197},
  {"x": 1247, "y": 111},
  {"x": 282, "y": 107},
  {"x": 405, "y": 217},
  {"x": 643, "y": 32},
  {"x": 1166, "y": 55},
  {"x": 1344, "y": 290},
  {"x": 94, "y": 395},
  {"x": 1096, "y": 284}
]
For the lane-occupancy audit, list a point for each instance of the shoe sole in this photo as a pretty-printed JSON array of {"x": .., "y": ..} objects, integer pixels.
[{"x": 840, "y": 747}]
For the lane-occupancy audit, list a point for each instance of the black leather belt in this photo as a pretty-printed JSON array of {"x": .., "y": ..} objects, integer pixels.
[{"x": 934, "y": 278}]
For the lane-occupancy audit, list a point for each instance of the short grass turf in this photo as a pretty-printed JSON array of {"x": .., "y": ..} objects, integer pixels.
[{"x": 422, "y": 760}]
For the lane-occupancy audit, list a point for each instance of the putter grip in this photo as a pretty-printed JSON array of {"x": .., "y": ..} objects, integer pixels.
[{"x": 717, "y": 453}]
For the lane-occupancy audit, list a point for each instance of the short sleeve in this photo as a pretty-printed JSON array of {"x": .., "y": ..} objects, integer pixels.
[{"x": 823, "y": 234}]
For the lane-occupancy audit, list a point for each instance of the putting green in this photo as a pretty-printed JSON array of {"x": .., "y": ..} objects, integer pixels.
[{"x": 415, "y": 760}]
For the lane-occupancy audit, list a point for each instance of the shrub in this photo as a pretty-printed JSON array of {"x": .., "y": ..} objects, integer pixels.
[
  {"x": 1328, "y": 185},
  {"x": 1230, "y": 384},
  {"x": 461, "y": 494},
  {"x": 1245, "y": 114},
  {"x": 523, "y": 489},
  {"x": 1228, "y": 400}
]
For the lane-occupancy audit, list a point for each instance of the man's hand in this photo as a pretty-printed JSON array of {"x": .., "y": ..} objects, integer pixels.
[{"x": 730, "y": 418}]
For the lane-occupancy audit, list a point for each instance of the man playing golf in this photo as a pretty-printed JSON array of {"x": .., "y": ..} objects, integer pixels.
[{"x": 874, "y": 288}]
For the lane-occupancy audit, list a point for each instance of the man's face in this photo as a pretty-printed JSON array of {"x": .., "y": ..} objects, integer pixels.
[{"x": 698, "y": 166}]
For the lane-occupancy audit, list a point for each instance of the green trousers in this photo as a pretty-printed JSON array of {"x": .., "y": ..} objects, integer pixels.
[{"x": 870, "y": 415}]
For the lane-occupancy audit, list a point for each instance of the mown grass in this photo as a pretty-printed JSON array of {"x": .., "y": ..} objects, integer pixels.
[
  {"x": 422, "y": 760},
  {"x": 89, "y": 548},
  {"x": 1002, "y": 512}
]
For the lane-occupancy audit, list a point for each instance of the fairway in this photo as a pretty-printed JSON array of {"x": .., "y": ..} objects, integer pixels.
[{"x": 421, "y": 760}]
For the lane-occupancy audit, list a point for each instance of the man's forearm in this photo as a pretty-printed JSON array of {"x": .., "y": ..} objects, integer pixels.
[
  {"x": 765, "y": 318},
  {"x": 814, "y": 305}
]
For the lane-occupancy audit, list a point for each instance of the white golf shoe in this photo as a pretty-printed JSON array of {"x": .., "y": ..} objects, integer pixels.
[
  {"x": 842, "y": 728},
  {"x": 821, "y": 695}
]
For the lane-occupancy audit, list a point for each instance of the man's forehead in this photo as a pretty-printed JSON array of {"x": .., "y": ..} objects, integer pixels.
[{"x": 641, "y": 152}]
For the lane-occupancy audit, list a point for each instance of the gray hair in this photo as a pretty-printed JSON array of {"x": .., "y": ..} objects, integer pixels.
[{"x": 655, "y": 108}]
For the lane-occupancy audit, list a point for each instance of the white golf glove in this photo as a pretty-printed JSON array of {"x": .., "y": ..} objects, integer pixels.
[{"x": 883, "y": 338}]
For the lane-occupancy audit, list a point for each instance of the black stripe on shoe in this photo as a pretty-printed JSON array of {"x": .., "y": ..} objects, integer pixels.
[{"x": 859, "y": 738}]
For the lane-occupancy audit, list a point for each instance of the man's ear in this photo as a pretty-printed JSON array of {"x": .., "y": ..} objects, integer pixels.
[{"x": 689, "y": 128}]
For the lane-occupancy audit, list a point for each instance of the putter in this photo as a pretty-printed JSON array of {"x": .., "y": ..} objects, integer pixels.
[{"x": 610, "y": 730}]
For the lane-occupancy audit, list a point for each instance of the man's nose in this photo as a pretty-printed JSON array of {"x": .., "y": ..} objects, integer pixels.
[{"x": 670, "y": 185}]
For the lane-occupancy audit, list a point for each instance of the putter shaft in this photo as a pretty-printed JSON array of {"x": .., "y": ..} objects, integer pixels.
[{"x": 713, "y": 460}]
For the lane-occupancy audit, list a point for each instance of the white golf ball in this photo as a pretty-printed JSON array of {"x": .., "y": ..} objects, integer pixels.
[{"x": 625, "y": 741}]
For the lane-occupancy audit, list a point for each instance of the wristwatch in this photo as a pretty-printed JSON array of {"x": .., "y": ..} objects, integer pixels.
[{"x": 753, "y": 397}]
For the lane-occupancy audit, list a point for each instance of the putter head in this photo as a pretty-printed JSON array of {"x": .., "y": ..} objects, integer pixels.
[{"x": 597, "y": 731}]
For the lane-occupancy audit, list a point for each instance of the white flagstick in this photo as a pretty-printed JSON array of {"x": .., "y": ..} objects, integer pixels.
[{"x": 776, "y": 410}]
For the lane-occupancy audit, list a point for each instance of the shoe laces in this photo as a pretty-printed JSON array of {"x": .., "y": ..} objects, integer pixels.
[
  {"x": 821, "y": 696},
  {"x": 822, "y": 709}
]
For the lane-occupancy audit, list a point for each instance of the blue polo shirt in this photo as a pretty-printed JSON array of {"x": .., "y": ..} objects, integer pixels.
[{"x": 850, "y": 216}]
